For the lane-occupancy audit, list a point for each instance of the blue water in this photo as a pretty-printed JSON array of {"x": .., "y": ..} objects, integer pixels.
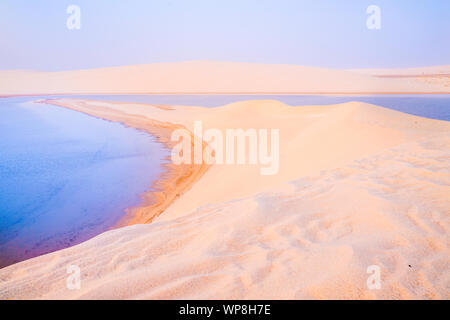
[
  {"x": 65, "y": 176},
  {"x": 426, "y": 105}
]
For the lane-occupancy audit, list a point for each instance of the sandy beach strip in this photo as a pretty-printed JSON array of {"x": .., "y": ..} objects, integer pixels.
[
  {"x": 359, "y": 185},
  {"x": 174, "y": 181}
]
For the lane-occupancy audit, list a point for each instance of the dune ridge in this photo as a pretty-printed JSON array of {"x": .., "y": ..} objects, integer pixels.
[
  {"x": 358, "y": 185},
  {"x": 211, "y": 77}
]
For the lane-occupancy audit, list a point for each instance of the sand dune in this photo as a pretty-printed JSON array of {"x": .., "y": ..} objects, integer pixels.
[
  {"x": 207, "y": 77},
  {"x": 358, "y": 185},
  {"x": 428, "y": 71},
  {"x": 435, "y": 76}
]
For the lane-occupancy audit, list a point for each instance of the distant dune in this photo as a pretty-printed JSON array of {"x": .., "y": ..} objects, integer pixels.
[
  {"x": 427, "y": 71},
  {"x": 438, "y": 76},
  {"x": 213, "y": 77},
  {"x": 359, "y": 185}
]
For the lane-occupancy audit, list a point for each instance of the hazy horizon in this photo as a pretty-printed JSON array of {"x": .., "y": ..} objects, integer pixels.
[
  {"x": 217, "y": 61},
  {"x": 323, "y": 33}
]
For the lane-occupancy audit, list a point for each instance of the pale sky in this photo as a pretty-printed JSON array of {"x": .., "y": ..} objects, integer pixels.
[{"x": 325, "y": 33}]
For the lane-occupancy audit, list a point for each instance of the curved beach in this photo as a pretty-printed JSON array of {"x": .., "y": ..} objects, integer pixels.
[
  {"x": 175, "y": 180},
  {"x": 358, "y": 185}
]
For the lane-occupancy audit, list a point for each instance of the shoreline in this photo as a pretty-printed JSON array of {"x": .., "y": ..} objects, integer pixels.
[{"x": 171, "y": 184}]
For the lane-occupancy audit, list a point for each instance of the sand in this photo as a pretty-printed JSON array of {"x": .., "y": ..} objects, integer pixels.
[
  {"x": 435, "y": 76},
  {"x": 358, "y": 185},
  {"x": 212, "y": 77},
  {"x": 426, "y": 71}
]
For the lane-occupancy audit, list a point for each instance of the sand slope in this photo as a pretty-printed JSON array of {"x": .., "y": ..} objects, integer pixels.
[
  {"x": 427, "y": 71},
  {"x": 359, "y": 185},
  {"x": 435, "y": 76},
  {"x": 209, "y": 77}
]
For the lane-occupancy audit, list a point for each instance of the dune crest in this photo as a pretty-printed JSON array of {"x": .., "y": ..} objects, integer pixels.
[{"x": 211, "y": 77}]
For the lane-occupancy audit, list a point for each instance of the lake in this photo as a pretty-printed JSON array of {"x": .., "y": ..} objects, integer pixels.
[{"x": 65, "y": 176}]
